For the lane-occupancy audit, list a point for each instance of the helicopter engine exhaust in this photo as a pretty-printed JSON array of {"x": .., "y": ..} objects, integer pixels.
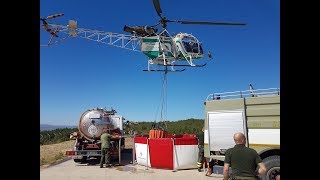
[{"x": 140, "y": 30}]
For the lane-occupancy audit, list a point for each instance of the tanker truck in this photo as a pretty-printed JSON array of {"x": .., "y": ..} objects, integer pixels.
[{"x": 87, "y": 146}]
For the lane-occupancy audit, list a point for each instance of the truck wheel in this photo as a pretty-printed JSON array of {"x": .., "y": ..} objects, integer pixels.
[
  {"x": 83, "y": 160},
  {"x": 273, "y": 167},
  {"x": 77, "y": 160}
]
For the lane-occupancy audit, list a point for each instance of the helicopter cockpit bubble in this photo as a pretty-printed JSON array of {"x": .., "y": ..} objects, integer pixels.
[{"x": 191, "y": 44}]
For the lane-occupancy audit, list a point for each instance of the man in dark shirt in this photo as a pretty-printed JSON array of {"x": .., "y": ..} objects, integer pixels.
[
  {"x": 242, "y": 160},
  {"x": 105, "y": 145}
]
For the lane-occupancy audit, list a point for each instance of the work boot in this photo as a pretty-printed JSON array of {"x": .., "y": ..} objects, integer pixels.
[{"x": 209, "y": 172}]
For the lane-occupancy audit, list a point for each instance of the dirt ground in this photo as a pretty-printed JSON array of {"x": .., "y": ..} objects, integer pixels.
[
  {"x": 55, "y": 153},
  {"x": 67, "y": 169}
]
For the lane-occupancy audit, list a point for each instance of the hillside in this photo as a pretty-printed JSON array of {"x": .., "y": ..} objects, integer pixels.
[
  {"x": 188, "y": 126},
  {"x": 47, "y": 127}
]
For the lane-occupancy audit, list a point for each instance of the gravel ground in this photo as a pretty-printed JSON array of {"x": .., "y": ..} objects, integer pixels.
[{"x": 67, "y": 169}]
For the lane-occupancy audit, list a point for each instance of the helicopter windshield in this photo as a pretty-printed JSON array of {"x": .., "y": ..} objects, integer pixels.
[{"x": 192, "y": 45}]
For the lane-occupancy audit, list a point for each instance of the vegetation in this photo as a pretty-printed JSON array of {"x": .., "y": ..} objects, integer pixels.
[
  {"x": 188, "y": 126},
  {"x": 54, "y": 153},
  {"x": 56, "y": 136}
]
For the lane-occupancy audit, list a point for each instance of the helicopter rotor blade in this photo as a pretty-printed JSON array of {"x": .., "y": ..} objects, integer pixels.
[
  {"x": 156, "y": 4},
  {"x": 53, "y": 33},
  {"x": 55, "y": 16},
  {"x": 205, "y": 22},
  {"x": 43, "y": 21}
]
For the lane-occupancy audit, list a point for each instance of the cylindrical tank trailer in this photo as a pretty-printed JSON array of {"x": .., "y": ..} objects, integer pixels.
[
  {"x": 93, "y": 121},
  {"x": 87, "y": 144}
]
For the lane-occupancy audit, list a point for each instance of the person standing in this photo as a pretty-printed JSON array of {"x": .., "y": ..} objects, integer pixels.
[
  {"x": 201, "y": 159},
  {"x": 105, "y": 146},
  {"x": 243, "y": 161}
]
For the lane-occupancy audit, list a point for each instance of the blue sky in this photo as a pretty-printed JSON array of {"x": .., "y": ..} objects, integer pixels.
[{"x": 79, "y": 74}]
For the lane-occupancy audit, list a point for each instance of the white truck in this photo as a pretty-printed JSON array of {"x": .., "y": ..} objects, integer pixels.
[{"x": 256, "y": 113}]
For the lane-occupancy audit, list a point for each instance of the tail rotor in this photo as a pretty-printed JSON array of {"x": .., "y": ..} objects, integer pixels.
[{"x": 45, "y": 24}]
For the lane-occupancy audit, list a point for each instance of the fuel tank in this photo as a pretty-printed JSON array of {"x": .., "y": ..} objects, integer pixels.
[{"x": 93, "y": 121}]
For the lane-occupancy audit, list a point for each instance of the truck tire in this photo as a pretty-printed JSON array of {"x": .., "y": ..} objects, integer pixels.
[
  {"x": 273, "y": 167},
  {"x": 83, "y": 160},
  {"x": 77, "y": 160}
]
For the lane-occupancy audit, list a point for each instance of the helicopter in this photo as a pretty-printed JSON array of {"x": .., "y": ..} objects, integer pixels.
[{"x": 161, "y": 48}]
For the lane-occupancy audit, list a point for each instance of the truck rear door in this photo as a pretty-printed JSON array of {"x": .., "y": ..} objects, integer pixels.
[{"x": 221, "y": 126}]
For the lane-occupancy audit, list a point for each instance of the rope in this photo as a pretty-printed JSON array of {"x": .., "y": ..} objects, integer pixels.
[
  {"x": 162, "y": 105},
  {"x": 163, "y": 116}
]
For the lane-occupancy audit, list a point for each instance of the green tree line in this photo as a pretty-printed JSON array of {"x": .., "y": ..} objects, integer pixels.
[
  {"x": 188, "y": 126},
  {"x": 56, "y": 136}
]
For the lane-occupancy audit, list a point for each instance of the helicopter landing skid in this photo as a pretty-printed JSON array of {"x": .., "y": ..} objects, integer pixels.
[
  {"x": 201, "y": 65},
  {"x": 152, "y": 70}
]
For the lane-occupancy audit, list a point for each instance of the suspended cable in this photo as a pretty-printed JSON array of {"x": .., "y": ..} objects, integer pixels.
[{"x": 162, "y": 105}]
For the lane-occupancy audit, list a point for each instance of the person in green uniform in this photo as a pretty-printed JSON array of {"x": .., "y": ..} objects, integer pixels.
[
  {"x": 105, "y": 145},
  {"x": 243, "y": 161},
  {"x": 202, "y": 161}
]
